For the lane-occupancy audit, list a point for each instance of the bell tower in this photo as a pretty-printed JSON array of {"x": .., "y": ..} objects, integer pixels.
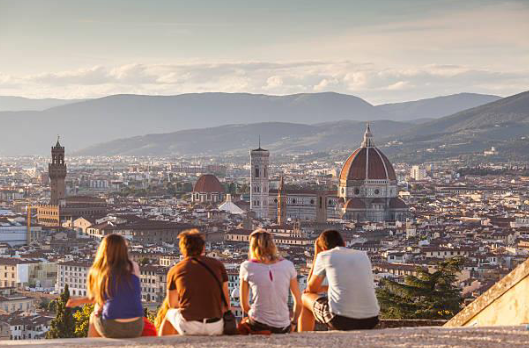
[
  {"x": 259, "y": 189},
  {"x": 57, "y": 173},
  {"x": 281, "y": 203}
]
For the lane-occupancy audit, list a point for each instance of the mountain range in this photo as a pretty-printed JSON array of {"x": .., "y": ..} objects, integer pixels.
[
  {"x": 83, "y": 124},
  {"x": 503, "y": 123},
  {"x": 28, "y": 104}
]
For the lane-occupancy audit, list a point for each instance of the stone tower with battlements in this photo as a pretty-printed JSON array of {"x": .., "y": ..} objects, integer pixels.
[{"x": 57, "y": 173}]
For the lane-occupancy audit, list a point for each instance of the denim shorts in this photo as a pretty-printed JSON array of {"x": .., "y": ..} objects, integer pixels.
[{"x": 111, "y": 328}]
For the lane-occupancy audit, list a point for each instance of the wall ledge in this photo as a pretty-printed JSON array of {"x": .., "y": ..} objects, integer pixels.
[{"x": 483, "y": 337}]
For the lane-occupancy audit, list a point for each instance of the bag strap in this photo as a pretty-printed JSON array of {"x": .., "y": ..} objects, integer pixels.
[{"x": 215, "y": 277}]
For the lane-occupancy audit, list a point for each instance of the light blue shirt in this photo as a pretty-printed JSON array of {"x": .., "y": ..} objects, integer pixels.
[{"x": 351, "y": 285}]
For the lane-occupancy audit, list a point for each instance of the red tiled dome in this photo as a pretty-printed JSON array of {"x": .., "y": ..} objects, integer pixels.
[
  {"x": 208, "y": 183},
  {"x": 367, "y": 163},
  {"x": 397, "y": 203},
  {"x": 355, "y": 203}
]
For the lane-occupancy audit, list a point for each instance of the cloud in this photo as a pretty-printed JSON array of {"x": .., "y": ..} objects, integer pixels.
[{"x": 373, "y": 82}]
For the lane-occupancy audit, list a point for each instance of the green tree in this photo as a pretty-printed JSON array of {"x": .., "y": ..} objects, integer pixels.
[
  {"x": 144, "y": 261},
  {"x": 425, "y": 296},
  {"x": 82, "y": 320},
  {"x": 150, "y": 314},
  {"x": 44, "y": 304},
  {"x": 52, "y": 306},
  {"x": 63, "y": 326}
]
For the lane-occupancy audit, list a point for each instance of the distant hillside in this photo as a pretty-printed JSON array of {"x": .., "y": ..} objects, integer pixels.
[
  {"x": 27, "y": 104},
  {"x": 93, "y": 121},
  {"x": 275, "y": 136},
  {"x": 436, "y": 107},
  {"x": 97, "y": 121},
  {"x": 503, "y": 124}
]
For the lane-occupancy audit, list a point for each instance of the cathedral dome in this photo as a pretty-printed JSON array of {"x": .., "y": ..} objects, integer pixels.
[
  {"x": 355, "y": 203},
  {"x": 397, "y": 203},
  {"x": 208, "y": 183},
  {"x": 368, "y": 162}
]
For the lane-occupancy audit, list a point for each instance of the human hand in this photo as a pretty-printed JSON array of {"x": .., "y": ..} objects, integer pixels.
[{"x": 72, "y": 303}]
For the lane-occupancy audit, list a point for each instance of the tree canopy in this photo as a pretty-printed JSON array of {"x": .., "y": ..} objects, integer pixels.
[{"x": 424, "y": 296}]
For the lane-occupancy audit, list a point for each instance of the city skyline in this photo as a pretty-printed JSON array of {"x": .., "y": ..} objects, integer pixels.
[{"x": 386, "y": 51}]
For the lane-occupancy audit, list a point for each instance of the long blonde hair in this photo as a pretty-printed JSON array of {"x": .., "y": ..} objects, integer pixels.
[
  {"x": 111, "y": 263},
  {"x": 262, "y": 246},
  {"x": 160, "y": 316}
]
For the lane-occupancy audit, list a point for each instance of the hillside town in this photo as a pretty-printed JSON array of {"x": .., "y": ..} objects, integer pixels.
[{"x": 54, "y": 211}]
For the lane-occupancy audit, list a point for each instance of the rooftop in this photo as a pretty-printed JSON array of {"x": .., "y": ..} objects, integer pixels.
[{"x": 511, "y": 336}]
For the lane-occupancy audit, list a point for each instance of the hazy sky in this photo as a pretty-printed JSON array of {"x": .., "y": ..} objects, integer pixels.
[{"x": 380, "y": 50}]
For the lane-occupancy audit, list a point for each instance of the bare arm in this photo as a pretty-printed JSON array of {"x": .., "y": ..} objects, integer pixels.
[
  {"x": 79, "y": 301},
  {"x": 296, "y": 294},
  {"x": 226, "y": 291},
  {"x": 135, "y": 269},
  {"x": 314, "y": 286},
  {"x": 244, "y": 296}
]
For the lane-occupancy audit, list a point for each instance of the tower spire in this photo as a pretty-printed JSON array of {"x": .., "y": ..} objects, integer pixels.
[
  {"x": 259, "y": 141},
  {"x": 368, "y": 137}
]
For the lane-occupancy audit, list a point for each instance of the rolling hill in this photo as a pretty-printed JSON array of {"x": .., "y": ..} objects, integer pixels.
[
  {"x": 438, "y": 107},
  {"x": 240, "y": 138},
  {"x": 85, "y": 123},
  {"x": 24, "y": 104}
]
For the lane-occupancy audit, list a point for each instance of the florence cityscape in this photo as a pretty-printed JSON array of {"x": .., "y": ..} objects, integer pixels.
[{"x": 402, "y": 126}]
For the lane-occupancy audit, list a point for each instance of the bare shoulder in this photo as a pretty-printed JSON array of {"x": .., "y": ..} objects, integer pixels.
[{"x": 135, "y": 268}]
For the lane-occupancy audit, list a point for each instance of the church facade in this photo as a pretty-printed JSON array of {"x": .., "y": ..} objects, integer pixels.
[{"x": 367, "y": 191}]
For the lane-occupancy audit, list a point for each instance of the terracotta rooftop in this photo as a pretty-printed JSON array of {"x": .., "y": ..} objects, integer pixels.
[{"x": 208, "y": 183}]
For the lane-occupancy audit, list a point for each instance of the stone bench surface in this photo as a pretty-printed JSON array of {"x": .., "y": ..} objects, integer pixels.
[{"x": 483, "y": 337}]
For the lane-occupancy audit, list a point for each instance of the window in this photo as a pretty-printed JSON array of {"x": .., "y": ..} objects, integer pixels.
[
  {"x": 357, "y": 191},
  {"x": 377, "y": 191},
  {"x": 256, "y": 171}
]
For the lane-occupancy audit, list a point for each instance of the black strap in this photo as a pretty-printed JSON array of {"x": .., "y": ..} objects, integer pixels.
[{"x": 216, "y": 279}]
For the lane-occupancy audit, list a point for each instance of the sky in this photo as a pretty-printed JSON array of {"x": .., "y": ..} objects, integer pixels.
[{"x": 380, "y": 50}]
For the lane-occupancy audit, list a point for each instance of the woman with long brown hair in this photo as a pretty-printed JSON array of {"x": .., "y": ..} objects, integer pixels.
[
  {"x": 114, "y": 287},
  {"x": 270, "y": 278}
]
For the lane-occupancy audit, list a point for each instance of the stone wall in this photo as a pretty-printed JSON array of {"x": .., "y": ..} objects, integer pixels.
[{"x": 505, "y": 303}]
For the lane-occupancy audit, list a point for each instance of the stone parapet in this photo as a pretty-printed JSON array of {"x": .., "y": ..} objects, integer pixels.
[{"x": 402, "y": 337}]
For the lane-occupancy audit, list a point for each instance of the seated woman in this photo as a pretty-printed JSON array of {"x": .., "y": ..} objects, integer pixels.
[
  {"x": 349, "y": 301},
  {"x": 114, "y": 286},
  {"x": 270, "y": 279}
]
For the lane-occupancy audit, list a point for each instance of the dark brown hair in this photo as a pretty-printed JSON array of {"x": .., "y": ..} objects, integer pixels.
[
  {"x": 111, "y": 261},
  {"x": 191, "y": 243},
  {"x": 330, "y": 239}
]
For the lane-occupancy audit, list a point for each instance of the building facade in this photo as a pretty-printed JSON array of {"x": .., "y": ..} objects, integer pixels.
[{"x": 367, "y": 192}]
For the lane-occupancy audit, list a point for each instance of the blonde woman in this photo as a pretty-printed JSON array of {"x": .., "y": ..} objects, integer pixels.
[
  {"x": 270, "y": 279},
  {"x": 114, "y": 286}
]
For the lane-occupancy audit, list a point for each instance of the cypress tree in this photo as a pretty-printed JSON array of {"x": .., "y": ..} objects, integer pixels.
[
  {"x": 424, "y": 296},
  {"x": 63, "y": 326}
]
